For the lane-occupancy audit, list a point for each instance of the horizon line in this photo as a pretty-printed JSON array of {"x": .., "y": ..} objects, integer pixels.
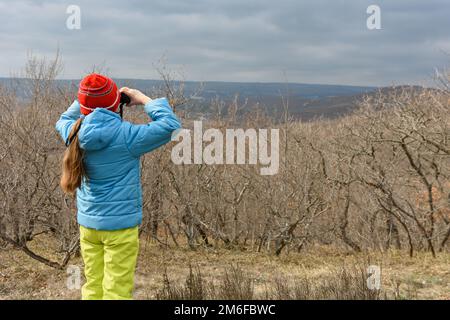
[{"x": 235, "y": 82}]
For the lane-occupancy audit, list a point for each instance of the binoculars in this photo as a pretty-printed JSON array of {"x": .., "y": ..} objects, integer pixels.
[{"x": 124, "y": 100}]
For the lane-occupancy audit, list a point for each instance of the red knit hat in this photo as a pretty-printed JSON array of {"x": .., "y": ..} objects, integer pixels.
[{"x": 98, "y": 91}]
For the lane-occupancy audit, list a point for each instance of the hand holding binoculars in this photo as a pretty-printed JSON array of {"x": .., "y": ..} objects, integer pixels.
[{"x": 124, "y": 99}]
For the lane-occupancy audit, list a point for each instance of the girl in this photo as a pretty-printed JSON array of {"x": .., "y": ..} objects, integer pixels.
[{"x": 102, "y": 165}]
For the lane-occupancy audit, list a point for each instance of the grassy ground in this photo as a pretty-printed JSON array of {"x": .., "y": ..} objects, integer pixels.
[{"x": 420, "y": 277}]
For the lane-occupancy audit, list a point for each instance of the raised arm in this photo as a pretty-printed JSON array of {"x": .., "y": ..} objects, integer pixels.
[
  {"x": 147, "y": 137},
  {"x": 67, "y": 119}
]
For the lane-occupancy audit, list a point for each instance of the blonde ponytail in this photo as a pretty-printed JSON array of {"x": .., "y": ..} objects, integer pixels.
[{"x": 72, "y": 164}]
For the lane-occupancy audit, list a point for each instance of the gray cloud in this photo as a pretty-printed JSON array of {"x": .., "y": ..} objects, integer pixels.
[{"x": 253, "y": 40}]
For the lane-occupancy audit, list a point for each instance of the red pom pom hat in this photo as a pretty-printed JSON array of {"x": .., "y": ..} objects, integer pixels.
[{"x": 98, "y": 91}]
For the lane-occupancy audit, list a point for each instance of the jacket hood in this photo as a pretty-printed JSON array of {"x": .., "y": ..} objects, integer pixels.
[{"x": 98, "y": 129}]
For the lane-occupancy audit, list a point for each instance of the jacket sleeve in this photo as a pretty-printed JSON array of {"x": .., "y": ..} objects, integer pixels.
[
  {"x": 67, "y": 119},
  {"x": 144, "y": 138}
]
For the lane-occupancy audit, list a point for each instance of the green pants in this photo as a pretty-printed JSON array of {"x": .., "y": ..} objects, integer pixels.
[{"x": 109, "y": 263}]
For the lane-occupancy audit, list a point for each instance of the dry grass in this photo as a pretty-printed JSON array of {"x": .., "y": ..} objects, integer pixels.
[{"x": 317, "y": 273}]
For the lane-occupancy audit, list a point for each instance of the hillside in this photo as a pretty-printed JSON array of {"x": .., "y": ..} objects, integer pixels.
[{"x": 306, "y": 101}]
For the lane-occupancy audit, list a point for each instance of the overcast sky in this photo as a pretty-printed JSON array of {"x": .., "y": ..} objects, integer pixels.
[{"x": 309, "y": 41}]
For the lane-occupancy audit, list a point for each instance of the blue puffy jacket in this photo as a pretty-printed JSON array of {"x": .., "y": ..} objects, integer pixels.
[{"x": 111, "y": 197}]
